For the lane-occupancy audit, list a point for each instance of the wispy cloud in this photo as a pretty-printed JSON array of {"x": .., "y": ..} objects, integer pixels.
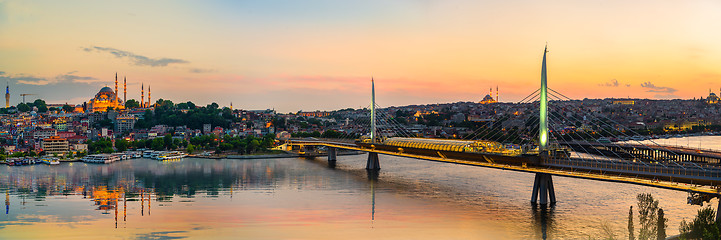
[
  {"x": 612, "y": 83},
  {"x": 71, "y": 77},
  {"x": 24, "y": 79},
  {"x": 657, "y": 89},
  {"x": 136, "y": 59},
  {"x": 33, "y": 80},
  {"x": 201, "y": 70}
]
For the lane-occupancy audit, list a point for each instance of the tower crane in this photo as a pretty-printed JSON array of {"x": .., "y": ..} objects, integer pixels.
[{"x": 26, "y": 94}]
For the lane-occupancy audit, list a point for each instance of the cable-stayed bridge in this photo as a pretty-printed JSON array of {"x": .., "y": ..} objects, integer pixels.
[{"x": 549, "y": 139}]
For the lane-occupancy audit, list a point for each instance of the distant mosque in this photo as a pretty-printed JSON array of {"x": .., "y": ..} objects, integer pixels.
[
  {"x": 488, "y": 99},
  {"x": 107, "y": 98},
  {"x": 712, "y": 98}
]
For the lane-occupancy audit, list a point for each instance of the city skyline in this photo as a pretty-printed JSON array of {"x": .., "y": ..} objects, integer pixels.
[{"x": 294, "y": 56}]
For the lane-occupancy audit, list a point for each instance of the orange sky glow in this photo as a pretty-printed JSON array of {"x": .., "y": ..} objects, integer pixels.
[{"x": 321, "y": 55}]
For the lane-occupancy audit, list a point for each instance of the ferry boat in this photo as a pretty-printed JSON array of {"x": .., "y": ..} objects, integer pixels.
[
  {"x": 170, "y": 155},
  {"x": 100, "y": 158},
  {"x": 148, "y": 153},
  {"x": 50, "y": 160}
]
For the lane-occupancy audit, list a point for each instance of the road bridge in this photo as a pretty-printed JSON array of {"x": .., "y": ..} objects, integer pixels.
[{"x": 685, "y": 169}]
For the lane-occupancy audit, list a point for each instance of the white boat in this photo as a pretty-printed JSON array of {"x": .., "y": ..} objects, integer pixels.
[
  {"x": 50, "y": 160},
  {"x": 148, "y": 153},
  {"x": 100, "y": 158},
  {"x": 170, "y": 155}
]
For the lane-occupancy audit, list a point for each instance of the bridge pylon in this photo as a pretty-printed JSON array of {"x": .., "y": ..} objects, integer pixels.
[
  {"x": 543, "y": 186},
  {"x": 332, "y": 154},
  {"x": 543, "y": 182},
  {"x": 373, "y": 163}
]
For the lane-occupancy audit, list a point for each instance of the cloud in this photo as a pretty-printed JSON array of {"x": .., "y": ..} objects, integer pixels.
[
  {"x": 70, "y": 77},
  {"x": 612, "y": 83},
  {"x": 38, "y": 81},
  {"x": 200, "y": 70},
  {"x": 24, "y": 79},
  {"x": 657, "y": 89},
  {"x": 136, "y": 59}
]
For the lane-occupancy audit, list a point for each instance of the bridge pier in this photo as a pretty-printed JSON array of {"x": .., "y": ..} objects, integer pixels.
[
  {"x": 373, "y": 163},
  {"x": 543, "y": 184},
  {"x": 332, "y": 154}
]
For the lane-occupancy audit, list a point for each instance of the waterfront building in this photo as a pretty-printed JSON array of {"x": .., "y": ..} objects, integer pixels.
[{"x": 55, "y": 144}]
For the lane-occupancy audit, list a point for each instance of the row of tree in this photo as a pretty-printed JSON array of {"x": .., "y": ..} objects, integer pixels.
[{"x": 653, "y": 222}]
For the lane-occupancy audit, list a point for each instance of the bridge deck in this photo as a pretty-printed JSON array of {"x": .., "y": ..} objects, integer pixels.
[
  {"x": 672, "y": 152},
  {"x": 632, "y": 176}
]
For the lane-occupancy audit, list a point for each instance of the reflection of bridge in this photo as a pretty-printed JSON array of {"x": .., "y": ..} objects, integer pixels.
[{"x": 674, "y": 168}]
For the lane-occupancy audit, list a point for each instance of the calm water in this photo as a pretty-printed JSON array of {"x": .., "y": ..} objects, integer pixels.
[{"x": 307, "y": 199}]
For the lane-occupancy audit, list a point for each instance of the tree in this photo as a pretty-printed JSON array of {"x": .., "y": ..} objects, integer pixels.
[
  {"x": 40, "y": 104},
  {"x": 68, "y": 108},
  {"x": 661, "y": 228},
  {"x": 630, "y": 223},
  {"x": 190, "y": 148},
  {"x": 132, "y": 103},
  {"x": 22, "y": 107},
  {"x": 157, "y": 144},
  {"x": 704, "y": 226},
  {"x": 121, "y": 145},
  {"x": 647, "y": 216}
]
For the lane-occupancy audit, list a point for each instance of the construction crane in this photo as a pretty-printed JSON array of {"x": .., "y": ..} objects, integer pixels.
[{"x": 26, "y": 94}]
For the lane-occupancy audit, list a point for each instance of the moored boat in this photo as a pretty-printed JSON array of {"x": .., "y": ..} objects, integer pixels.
[{"x": 100, "y": 158}]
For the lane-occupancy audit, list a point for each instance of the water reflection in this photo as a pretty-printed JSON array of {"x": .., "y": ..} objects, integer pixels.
[
  {"x": 542, "y": 219},
  {"x": 288, "y": 198}
]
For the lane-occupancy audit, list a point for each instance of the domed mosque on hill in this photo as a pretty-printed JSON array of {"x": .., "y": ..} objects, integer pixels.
[
  {"x": 712, "y": 98},
  {"x": 107, "y": 98},
  {"x": 489, "y": 98}
]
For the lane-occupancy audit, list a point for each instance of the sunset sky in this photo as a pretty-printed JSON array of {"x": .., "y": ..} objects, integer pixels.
[{"x": 320, "y": 55}]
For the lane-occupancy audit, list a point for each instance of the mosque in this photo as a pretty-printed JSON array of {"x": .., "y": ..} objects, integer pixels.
[
  {"x": 489, "y": 97},
  {"x": 712, "y": 98},
  {"x": 107, "y": 98}
]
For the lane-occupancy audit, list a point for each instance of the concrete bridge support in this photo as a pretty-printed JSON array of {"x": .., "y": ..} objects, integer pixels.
[
  {"x": 332, "y": 154},
  {"x": 373, "y": 163},
  {"x": 543, "y": 184}
]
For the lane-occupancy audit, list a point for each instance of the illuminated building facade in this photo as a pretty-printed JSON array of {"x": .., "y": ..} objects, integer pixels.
[
  {"x": 55, "y": 144},
  {"x": 106, "y": 98},
  {"x": 7, "y": 96},
  {"x": 489, "y": 97},
  {"x": 712, "y": 98}
]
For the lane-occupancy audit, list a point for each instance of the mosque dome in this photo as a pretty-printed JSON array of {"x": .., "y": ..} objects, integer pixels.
[
  {"x": 106, "y": 90},
  {"x": 104, "y": 99}
]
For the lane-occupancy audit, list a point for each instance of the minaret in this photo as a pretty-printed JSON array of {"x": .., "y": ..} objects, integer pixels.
[
  {"x": 7, "y": 96},
  {"x": 125, "y": 89},
  {"x": 116, "y": 84},
  {"x": 496, "y": 93},
  {"x": 231, "y": 106},
  {"x": 150, "y": 103},
  {"x": 142, "y": 96}
]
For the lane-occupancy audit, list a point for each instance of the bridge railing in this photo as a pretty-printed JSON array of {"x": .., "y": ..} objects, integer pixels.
[{"x": 634, "y": 167}]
